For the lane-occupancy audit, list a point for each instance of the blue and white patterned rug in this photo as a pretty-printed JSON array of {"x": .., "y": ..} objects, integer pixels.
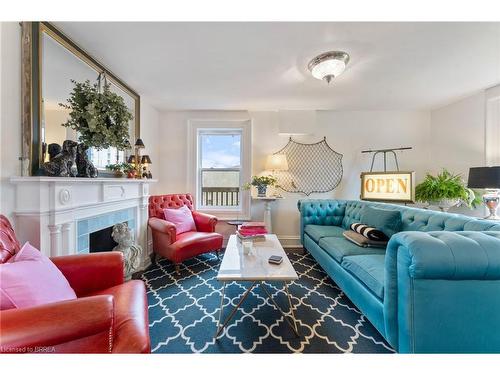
[{"x": 184, "y": 309}]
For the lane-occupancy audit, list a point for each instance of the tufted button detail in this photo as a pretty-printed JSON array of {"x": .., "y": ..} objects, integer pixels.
[{"x": 158, "y": 202}]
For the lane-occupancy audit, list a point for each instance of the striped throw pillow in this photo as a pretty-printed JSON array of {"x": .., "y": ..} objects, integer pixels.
[{"x": 369, "y": 232}]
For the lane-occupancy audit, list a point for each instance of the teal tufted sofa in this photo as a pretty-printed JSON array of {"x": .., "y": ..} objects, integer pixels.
[{"x": 435, "y": 289}]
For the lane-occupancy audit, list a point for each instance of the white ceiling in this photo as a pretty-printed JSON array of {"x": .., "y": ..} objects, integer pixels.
[{"x": 263, "y": 66}]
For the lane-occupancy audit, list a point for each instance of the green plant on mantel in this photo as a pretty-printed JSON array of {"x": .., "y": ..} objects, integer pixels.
[
  {"x": 99, "y": 116},
  {"x": 445, "y": 187},
  {"x": 120, "y": 169}
]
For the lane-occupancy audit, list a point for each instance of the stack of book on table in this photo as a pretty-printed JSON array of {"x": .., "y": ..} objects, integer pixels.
[{"x": 253, "y": 230}]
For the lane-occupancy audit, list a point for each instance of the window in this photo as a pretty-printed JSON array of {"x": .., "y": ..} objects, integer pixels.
[
  {"x": 221, "y": 167},
  {"x": 101, "y": 158}
]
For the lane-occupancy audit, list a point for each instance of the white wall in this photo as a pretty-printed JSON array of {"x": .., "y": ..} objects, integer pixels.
[
  {"x": 10, "y": 118},
  {"x": 346, "y": 132},
  {"x": 457, "y": 135},
  {"x": 457, "y": 139},
  {"x": 150, "y": 121},
  {"x": 10, "y": 112}
]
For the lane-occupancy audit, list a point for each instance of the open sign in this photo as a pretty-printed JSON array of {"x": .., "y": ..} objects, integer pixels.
[{"x": 388, "y": 186}]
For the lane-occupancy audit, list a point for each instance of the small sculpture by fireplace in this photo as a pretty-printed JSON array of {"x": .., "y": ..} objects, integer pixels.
[
  {"x": 118, "y": 237},
  {"x": 132, "y": 252}
]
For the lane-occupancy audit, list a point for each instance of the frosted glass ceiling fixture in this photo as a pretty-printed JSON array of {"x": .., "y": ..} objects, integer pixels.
[{"x": 328, "y": 65}]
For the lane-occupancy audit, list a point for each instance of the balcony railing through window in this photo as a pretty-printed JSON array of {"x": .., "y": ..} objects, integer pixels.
[{"x": 220, "y": 196}]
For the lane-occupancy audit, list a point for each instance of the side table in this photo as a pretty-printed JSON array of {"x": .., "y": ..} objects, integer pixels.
[{"x": 267, "y": 210}]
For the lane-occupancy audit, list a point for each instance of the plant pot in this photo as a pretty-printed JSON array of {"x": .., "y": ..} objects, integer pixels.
[
  {"x": 261, "y": 190},
  {"x": 118, "y": 174},
  {"x": 445, "y": 204}
]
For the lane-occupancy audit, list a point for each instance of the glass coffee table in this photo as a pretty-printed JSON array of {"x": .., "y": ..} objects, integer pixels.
[{"x": 255, "y": 268}]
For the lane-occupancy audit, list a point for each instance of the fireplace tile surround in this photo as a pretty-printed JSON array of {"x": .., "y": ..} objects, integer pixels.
[
  {"x": 93, "y": 224},
  {"x": 57, "y": 214}
]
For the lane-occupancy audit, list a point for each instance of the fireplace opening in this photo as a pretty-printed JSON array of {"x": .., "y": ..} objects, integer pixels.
[{"x": 101, "y": 241}]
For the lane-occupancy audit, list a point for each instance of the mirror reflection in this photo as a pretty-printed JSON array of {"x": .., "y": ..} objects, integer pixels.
[{"x": 58, "y": 67}]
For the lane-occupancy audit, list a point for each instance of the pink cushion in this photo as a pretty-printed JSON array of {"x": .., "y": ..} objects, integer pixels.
[
  {"x": 181, "y": 217},
  {"x": 29, "y": 279}
]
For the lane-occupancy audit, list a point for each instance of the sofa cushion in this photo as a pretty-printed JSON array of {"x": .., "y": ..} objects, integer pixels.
[
  {"x": 181, "y": 217},
  {"x": 317, "y": 232},
  {"x": 388, "y": 221},
  {"x": 362, "y": 241},
  {"x": 339, "y": 247},
  {"x": 369, "y": 269},
  {"x": 30, "y": 279}
]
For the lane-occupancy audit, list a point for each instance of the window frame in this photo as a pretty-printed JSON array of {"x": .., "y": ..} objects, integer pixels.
[{"x": 195, "y": 129}]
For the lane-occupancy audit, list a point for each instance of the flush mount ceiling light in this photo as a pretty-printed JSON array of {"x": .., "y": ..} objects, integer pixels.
[{"x": 328, "y": 65}]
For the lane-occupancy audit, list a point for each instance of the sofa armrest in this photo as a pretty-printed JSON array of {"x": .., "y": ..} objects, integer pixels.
[
  {"x": 48, "y": 328},
  {"x": 441, "y": 292},
  {"x": 204, "y": 222},
  {"x": 163, "y": 228},
  {"x": 87, "y": 273},
  {"x": 450, "y": 255}
]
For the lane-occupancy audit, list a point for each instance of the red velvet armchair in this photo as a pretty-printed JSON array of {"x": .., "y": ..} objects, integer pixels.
[
  {"x": 179, "y": 247},
  {"x": 109, "y": 315}
]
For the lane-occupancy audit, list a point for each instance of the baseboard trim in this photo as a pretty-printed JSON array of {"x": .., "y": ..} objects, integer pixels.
[{"x": 289, "y": 241}]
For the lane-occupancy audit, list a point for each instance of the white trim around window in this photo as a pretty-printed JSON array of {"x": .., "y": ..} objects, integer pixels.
[{"x": 195, "y": 128}]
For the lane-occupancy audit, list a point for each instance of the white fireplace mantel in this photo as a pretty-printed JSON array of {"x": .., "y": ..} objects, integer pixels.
[{"x": 49, "y": 209}]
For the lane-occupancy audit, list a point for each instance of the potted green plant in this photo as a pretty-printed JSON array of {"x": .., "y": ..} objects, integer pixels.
[
  {"x": 261, "y": 183},
  {"x": 118, "y": 169},
  {"x": 445, "y": 190}
]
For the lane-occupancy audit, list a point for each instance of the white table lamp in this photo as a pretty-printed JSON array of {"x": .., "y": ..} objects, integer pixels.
[{"x": 276, "y": 162}]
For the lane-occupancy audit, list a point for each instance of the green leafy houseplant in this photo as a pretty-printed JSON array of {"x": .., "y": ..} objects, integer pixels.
[
  {"x": 261, "y": 182},
  {"x": 120, "y": 168},
  {"x": 445, "y": 190},
  {"x": 100, "y": 117}
]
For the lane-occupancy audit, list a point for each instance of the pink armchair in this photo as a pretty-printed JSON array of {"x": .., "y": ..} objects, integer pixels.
[{"x": 179, "y": 247}]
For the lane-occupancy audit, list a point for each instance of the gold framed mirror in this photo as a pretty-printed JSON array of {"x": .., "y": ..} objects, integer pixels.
[{"x": 50, "y": 61}]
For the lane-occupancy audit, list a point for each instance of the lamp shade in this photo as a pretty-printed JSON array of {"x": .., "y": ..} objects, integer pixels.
[
  {"x": 139, "y": 143},
  {"x": 145, "y": 159},
  {"x": 276, "y": 162},
  {"x": 131, "y": 159},
  {"x": 484, "y": 178}
]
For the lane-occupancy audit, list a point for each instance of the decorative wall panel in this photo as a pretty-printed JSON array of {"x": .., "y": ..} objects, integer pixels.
[{"x": 312, "y": 168}]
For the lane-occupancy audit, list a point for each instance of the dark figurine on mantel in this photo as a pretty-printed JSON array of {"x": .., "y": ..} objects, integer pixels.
[
  {"x": 54, "y": 150},
  {"x": 63, "y": 164},
  {"x": 83, "y": 164}
]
